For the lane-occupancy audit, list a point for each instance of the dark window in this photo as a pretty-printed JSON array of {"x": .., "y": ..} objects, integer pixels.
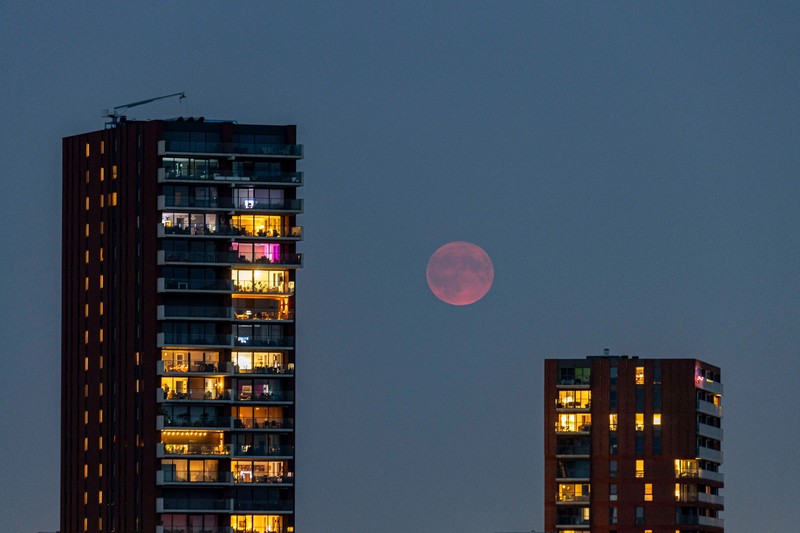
[
  {"x": 639, "y": 443},
  {"x": 612, "y": 442}
]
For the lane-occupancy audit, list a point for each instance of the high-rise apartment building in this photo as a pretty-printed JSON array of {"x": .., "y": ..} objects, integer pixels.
[
  {"x": 632, "y": 445},
  {"x": 178, "y": 328}
]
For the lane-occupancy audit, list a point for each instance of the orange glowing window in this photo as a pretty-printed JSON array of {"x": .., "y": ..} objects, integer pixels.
[
  {"x": 114, "y": 172},
  {"x": 102, "y": 200},
  {"x": 88, "y": 175},
  {"x": 640, "y": 375},
  {"x": 102, "y": 174},
  {"x": 87, "y": 150},
  {"x": 639, "y": 467},
  {"x": 639, "y": 421},
  {"x": 113, "y": 198},
  {"x": 656, "y": 419},
  {"x": 648, "y": 492},
  {"x": 87, "y": 203},
  {"x": 102, "y": 147}
]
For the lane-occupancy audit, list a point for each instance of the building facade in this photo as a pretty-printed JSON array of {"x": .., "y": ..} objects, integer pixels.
[
  {"x": 178, "y": 327},
  {"x": 632, "y": 445}
]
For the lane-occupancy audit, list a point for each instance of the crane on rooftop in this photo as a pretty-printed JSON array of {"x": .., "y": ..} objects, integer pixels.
[{"x": 117, "y": 113}]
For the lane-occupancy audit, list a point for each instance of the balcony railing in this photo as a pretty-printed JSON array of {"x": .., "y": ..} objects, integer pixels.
[
  {"x": 263, "y": 505},
  {"x": 263, "y": 423},
  {"x": 712, "y": 432},
  {"x": 226, "y": 230},
  {"x": 272, "y": 396},
  {"x": 286, "y": 479},
  {"x": 275, "y": 369},
  {"x": 201, "y": 147},
  {"x": 193, "y": 311},
  {"x": 192, "y": 476},
  {"x": 709, "y": 408},
  {"x": 221, "y": 422},
  {"x": 263, "y": 451},
  {"x": 709, "y": 454},
  {"x": 195, "y": 395},
  {"x": 263, "y": 287},
  {"x": 194, "y": 449},
  {"x": 193, "y": 339},
  {"x": 195, "y": 529},
  {"x": 261, "y": 341},
  {"x": 569, "y": 449},
  {"x": 228, "y": 203},
  {"x": 286, "y": 259},
  {"x": 174, "y": 366},
  {"x": 572, "y": 498},
  {"x": 263, "y": 314},
  {"x": 194, "y": 285},
  {"x": 215, "y": 174},
  {"x": 193, "y": 504},
  {"x": 714, "y": 499},
  {"x": 570, "y": 428}
]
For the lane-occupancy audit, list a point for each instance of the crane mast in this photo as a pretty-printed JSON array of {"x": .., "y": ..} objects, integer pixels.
[{"x": 116, "y": 113}]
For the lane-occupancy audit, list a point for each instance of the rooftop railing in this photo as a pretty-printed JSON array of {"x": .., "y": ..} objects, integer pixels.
[{"x": 285, "y": 150}]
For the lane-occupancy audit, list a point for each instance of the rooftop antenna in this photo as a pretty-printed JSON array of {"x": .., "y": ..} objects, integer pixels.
[{"x": 116, "y": 114}]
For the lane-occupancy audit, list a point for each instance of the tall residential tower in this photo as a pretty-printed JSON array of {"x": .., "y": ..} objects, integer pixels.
[
  {"x": 178, "y": 327},
  {"x": 632, "y": 445}
]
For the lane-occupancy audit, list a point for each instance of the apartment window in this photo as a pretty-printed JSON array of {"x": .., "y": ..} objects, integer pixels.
[
  {"x": 87, "y": 203},
  {"x": 656, "y": 371},
  {"x": 613, "y": 489},
  {"x": 613, "y": 468},
  {"x": 102, "y": 174},
  {"x": 87, "y": 229},
  {"x": 657, "y": 397},
  {"x": 114, "y": 172},
  {"x": 87, "y": 150},
  {"x": 639, "y": 467},
  {"x": 639, "y": 421},
  {"x": 573, "y": 492},
  {"x": 657, "y": 419},
  {"x": 102, "y": 147},
  {"x": 612, "y": 422},
  {"x": 639, "y": 516},
  {"x": 639, "y": 375},
  {"x": 639, "y": 443},
  {"x": 648, "y": 492},
  {"x": 612, "y": 399},
  {"x": 574, "y": 399},
  {"x": 613, "y": 515},
  {"x": 657, "y": 440},
  {"x": 613, "y": 372},
  {"x": 613, "y": 444},
  {"x": 640, "y": 399}
]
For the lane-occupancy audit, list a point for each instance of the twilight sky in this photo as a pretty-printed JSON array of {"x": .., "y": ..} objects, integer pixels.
[{"x": 631, "y": 169}]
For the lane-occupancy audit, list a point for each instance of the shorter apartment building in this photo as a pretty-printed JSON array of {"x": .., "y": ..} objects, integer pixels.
[{"x": 633, "y": 445}]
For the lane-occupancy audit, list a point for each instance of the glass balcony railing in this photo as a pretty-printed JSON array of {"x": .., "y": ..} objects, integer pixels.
[
  {"x": 263, "y": 341},
  {"x": 194, "y": 504},
  {"x": 263, "y": 505},
  {"x": 273, "y": 369},
  {"x": 216, "y": 174},
  {"x": 272, "y": 396},
  {"x": 263, "y": 287},
  {"x": 263, "y": 423},
  {"x": 228, "y": 230},
  {"x": 197, "y": 449},
  {"x": 255, "y": 204},
  {"x": 285, "y": 478},
  {"x": 197, "y": 422},
  {"x": 573, "y": 449},
  {"x": 247, "y": 450},
  {"x": 263, "y": 314},
  {"x": 280, "y": 259},
  {"x": 285, "y": 150},
  {"x": 193, "y": 311},
  {"x": 180, "y": 366},
  {"x": 193, "y": 339},
  {"x": 197, "y": 394},
  {"x": 193, "y": 476},
  {"x": 172, "y": 284}
]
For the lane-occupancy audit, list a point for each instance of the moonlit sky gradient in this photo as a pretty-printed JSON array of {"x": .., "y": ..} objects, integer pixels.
[{"x": 631, "y": 168}]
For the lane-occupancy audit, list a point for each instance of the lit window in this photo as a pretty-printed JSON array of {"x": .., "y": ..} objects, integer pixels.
[
  {"x": 85, "y": 470},
  {"x": 86, "y": 337},
  {"x": 114, "y": 172},
  {"x": 100, "y": 497},
  {"x": 87, "y": 203},
  {"x": 87, "y": 149},
  {"x": 87, "y": 229},
  {"x": 86, "y": 284},
  {"x": 640, "y": 375},
  {"x": 100, "y": 470},
  {"x": 101, "y": 337},
  {"x": 85, "y": 498},
  {"x": 86, "y": 310},
  {"x": 101, "y": 362},
  {"x": 102, "y": 200},
  {"x": 639, "y": 421},
  {"x": 101, "y": 227},
  {"x": 102, "y": 174},
  {"x": 100, "y": 416},
  {"x": 648, "y": 492},
  {"x": 86, "y": 417},
  {"x": 87, "y": 257},
  {"x": 86, "y": 444},
  {"x": 657, "y": 419},
  {"x": 113, "y": 198},
  {"x": 101, "y": 281},
  {"x": 612, "y": 422},
  {"x": 102, "y": 147},
  {"x": 101, "y": 308},
  {"x": 101, "y": 253},
  {"x": 100, "y": 443},
  {"x": 639, "y": 467},
  {"x": 86, "y": 365}
]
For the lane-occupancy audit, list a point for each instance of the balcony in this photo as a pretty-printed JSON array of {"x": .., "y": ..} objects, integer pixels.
[
  {"x": 287, "y": 370},
  {"x": 263, "y": 314},
  {"x": 262, "y": 423},
  {"x": 258, "y": 506},
  {"x": 261, "y": 479},
  {"x": 214, "y": 286},
  {"x": 709, "y": 454},
  {"x": 710, "y": 475},
  {"x": 256, "y": 150},
  {"x": 170, "y": 477},
  {"x": 193, "y": 395},
  {"x": 282, "y": 205},
  {"x": 284, "y": 259},
  {"x": 206, "y": 175},
  {"x": 573, "y": 450},
  {"x": 573, "y": 428},
  {"x": 288, "y": 233},
  {"x": 201, "y": 422},
  {"x": 708, "y": 385},
  {"x": 270, "y": 341},
  {"x": 194, "y": 529},
  {"x": 713, "y": 499},
  {"x": 192, "y": 339},
  {"x": 263, "y": 287},
  {"x": 712, "y": 432},
  {"x": 709, "y": 408},
  {"x": 172, "y": 505},
  {"x": 699, "y": 520},
  {"x": 572, "y": 498},
  {"x": 272, "y": 396},
  {"x": 205, "y": 450},
  {"x": 193, "y": 367},
  {"x": 193, "y": 312},
  {"x": 246, "y": 450}
]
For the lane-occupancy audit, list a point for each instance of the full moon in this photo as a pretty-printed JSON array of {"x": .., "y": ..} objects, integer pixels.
[{"x": 460, "y": 273}]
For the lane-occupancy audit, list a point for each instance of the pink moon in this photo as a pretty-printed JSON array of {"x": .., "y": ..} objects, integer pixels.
[{"x": 460, "y": 273}]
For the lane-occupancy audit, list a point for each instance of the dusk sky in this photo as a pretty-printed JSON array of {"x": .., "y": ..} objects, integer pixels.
[{"x": 631, "y": 168}]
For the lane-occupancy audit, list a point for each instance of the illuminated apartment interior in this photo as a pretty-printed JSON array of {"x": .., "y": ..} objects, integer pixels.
[
  {"x": 633, "y": 445},
  {"x": 178, "y": 341}
]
